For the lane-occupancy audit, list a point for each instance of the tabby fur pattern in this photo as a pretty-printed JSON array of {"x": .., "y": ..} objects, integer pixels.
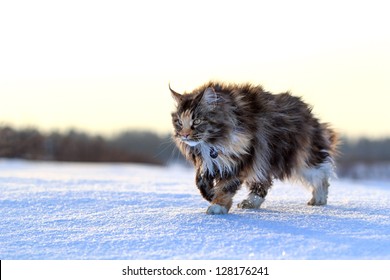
[{"x": 238, "y": 134}]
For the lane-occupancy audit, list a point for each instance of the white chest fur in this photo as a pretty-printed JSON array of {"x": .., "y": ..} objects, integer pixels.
[{"x": 223, "y": 158}]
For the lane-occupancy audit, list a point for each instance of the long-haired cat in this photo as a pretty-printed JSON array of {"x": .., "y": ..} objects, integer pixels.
[{"x": 240, "y": 134}]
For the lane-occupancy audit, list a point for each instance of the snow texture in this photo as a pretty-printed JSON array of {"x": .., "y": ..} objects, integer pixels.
[{"x": 123, "y": 211}]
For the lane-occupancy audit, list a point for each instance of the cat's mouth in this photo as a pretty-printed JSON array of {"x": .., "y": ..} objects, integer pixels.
[{"x": 190, "y": 142}]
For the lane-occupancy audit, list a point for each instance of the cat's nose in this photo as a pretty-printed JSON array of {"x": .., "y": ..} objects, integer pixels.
[{"x": 185, "y": 133}]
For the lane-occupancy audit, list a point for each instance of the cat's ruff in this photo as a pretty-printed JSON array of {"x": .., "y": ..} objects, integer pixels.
[{"x": 240, "y": 134}]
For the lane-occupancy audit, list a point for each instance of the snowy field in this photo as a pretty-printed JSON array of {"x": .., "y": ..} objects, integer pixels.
[{"x": 124, "y": 211}]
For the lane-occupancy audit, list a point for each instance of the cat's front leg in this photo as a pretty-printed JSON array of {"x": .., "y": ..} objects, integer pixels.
[
  {"x": 204, "y": 182},
  {"x": 258, "y": 192},
  {"x": 224, "y": 191}
]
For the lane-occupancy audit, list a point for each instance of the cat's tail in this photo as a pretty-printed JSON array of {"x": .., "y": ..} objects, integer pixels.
[{"x": 332, "y": 139}]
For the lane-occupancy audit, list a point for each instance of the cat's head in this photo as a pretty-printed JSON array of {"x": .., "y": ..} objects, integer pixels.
[{"x": 198, "y": 117}]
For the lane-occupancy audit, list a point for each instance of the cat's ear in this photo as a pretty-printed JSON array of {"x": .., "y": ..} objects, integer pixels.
[
  {"x": 176, "y": 96},
  {"x": 211, "y": 97}
]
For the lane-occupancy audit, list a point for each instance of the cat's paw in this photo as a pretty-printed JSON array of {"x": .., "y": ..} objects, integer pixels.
[
  {"x": 216, "y": 209},
  {"x": 252, "y": 202},
  {"x": 318, "y": 202}
]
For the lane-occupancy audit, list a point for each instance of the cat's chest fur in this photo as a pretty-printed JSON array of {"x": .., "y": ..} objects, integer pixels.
[{"x": 222, "y": 158}]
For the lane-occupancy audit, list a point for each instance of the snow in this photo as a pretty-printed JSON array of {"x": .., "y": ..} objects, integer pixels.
[{"x": 124, "y": 211}]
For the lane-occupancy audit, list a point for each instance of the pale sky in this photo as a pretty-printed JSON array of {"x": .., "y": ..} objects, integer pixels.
[{"x": 104, "y": 66}]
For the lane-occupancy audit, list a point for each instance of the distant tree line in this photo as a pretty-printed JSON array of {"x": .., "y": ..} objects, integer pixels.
[
  {"x": 151, "y": 148},
  {"x": 364, "y": 158},
  {"x": 132, "y": 146},
  {"x": 365, "y": 150}
]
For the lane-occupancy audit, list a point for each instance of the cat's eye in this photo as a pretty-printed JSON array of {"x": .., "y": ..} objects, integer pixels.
[
  {"x": 179, "y": 122},
  {"x": 196, "y": 121}
]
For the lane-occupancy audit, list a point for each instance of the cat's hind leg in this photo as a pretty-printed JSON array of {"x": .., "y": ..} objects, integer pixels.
[
  {"x": 258, "y": 192},
  {"x": 317, "y": 180},
  {"x": 320, "y": 194}
]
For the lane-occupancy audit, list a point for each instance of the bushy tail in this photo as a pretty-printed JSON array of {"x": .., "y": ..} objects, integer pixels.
[{"x": 332, "y": 138}]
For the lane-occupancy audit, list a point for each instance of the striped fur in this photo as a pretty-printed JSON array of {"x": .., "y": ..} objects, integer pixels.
[{"x": 240, "y": 134}]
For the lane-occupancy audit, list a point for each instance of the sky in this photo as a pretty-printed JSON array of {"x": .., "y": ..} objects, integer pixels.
[{"x": 104, "y": 66}]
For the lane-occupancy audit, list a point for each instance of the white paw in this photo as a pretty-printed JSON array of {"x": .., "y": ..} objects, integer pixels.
[
  {"x": 317, "y": 202},
  {"x": 320, "y": 197},
  {"x": 216, "y": 209},
  {"x": 252, "y": 202}
]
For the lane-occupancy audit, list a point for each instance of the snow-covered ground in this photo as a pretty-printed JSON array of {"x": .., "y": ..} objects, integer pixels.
[{"x": 124, "y": 211}]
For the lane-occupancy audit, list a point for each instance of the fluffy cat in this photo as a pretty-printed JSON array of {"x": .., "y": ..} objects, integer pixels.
[{"x": 238, "y": 134}]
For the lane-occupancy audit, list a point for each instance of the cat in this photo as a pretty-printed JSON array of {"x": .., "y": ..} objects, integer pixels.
[{"x": 238, "y": 134}]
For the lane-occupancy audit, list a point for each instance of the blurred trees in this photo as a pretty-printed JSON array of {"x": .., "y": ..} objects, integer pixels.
[
  {"x": 26, "y": 143},
  {"x": 364, "y": 158},
  {"x": 358, "y": 158},
  {"x": 133, "y": 146},
  {"x": 365, "y": 150}
]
